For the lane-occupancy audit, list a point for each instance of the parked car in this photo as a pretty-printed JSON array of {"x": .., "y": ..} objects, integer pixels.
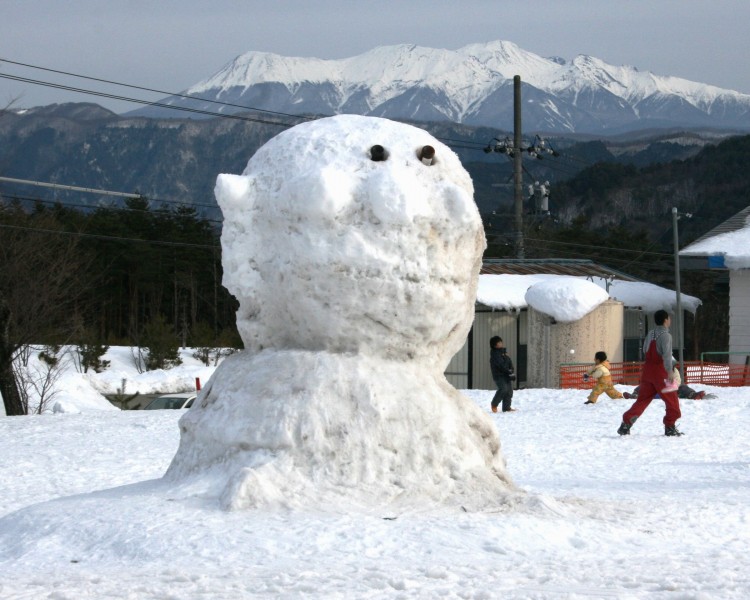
[{"x": 183, "y": 400}]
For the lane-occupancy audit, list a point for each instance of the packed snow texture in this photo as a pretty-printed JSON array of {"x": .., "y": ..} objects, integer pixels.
[
  {"x": 356, "y": 280},
  {"x": 566, "y": 298},
  {"x": 85, "y": 515}
]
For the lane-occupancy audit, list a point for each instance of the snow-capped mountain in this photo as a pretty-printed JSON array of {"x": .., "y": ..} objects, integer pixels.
[{"x": 472, "y": 85}]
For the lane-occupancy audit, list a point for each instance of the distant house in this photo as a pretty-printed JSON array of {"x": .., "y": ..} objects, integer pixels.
[
  {"x": 544, "y": 308},
  {"x": 727, "y": 248}
]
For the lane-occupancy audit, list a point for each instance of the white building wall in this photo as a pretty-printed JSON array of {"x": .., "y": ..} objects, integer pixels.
[{"x": 739, "y": 315}]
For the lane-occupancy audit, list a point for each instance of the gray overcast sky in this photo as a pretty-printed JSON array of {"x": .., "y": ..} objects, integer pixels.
[{"x": 172, "y": 44}]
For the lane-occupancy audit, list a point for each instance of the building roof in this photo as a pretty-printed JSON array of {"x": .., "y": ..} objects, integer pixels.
[
  {"x": 725, "y": 246},
  {"x": 505, "y": 285},
  {"x": 735, "y": 223},
  {"x": 551, "y": 266}
]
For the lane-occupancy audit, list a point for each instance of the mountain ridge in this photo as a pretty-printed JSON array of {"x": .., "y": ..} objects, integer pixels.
[
  {"x": 471, "y": 85},
  {"x": 85, "y": 145}
]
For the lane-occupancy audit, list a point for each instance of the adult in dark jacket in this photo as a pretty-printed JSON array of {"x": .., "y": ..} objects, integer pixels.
[{"x": 503, "y": 374}]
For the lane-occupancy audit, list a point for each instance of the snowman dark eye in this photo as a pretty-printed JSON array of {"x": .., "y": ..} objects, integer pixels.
[
  {"x": 378, "y": 153},
  {"x": 426, "y": 155}
]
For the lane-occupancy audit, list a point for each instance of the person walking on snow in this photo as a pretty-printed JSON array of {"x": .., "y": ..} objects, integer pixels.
[
  {"x": 503, "y": 374},
  {"x": 600, "y": 372},
  {"x": 656, "y": 378}
]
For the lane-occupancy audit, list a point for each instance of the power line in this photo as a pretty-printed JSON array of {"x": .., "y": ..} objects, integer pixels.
[
  {"x": 451, "y": 142},
  {"x": 138, "y": 87},
  {"x": 596, "y": 247},
  {"x": 564, "y": 250},
  {"x": 131, "y": 195},
  {"x": 145, "y": 102},
  {"x": 98, "y": 206},
  {"x": 109, "y": 237},
  {"x": 474, "y": 145},
  {"x": 659, "y": 266},
  {"x": 74, "y": 188},
  {"x": 142, "y": 196}
]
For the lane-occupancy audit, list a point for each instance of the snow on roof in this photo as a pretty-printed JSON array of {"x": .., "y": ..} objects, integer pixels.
[
  {"x": 733, "y": 245},
  {"x": 649, "y": 297},
  {"x": 565, "y": 298},
  {"x": 569, "y": 298}
]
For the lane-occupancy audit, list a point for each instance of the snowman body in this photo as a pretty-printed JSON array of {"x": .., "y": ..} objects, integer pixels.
[{"x": 353, "y": 246}]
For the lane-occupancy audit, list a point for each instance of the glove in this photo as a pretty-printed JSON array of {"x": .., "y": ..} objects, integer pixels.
[{"x": 512, "y": 377}]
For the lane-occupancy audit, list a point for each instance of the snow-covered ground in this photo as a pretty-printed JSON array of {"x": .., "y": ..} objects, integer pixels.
[
  {"x": 85, "y": 515},
  {"x": 353, "y": 470}
]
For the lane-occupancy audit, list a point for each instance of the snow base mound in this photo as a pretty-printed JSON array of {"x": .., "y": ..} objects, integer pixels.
[{"x": 317, "y": 428}]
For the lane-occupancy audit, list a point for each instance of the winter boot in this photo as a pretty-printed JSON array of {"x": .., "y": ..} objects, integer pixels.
[
  {"x": 494, "y": 409},
  {"x": 672, "y": 431},
  {"x": 624, "y": 428},
  {"x": 590, "y": 402}
]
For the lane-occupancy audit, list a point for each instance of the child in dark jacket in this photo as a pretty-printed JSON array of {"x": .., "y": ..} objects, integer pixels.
[{"x": 503, "y": 374}]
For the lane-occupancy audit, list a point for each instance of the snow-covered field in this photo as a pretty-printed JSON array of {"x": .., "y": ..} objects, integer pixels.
[
  {"x": 354, "y": 470},
  {"x": 84, "y": 515}
]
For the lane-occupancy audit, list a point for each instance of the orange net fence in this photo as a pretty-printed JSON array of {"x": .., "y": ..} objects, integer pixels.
[{"x": 629, "y": 373}]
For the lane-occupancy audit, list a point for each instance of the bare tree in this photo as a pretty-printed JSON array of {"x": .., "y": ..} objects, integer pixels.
[
  {"x": 37, "y": 381},
  {"x": 40, "y": 281},
  {"x": 8, "y": 387}
]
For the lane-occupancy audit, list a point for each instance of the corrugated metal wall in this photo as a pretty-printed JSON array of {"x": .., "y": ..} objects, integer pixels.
[
  {"x": 457, "y": 372},
  {"x": 512, "y": 327},
  {"x": 488, "y": 323},
  {"x": 634, "y": 332}
]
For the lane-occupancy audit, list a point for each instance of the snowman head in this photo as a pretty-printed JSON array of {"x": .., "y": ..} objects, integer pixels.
[{"x": 353, "y": 234}]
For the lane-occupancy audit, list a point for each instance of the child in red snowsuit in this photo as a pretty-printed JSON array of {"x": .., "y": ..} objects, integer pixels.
[{"x": 655, "y": 377}]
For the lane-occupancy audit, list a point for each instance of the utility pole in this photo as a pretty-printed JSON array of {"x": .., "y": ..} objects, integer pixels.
[
  {"x": 514, "y": 150},
  {"x": 517, "y": 167},
  {"x": 680, "y": 333}
]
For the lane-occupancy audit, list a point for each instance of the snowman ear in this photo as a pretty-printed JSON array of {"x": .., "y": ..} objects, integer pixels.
[
  {"x": 234, "y": 194},
  {"x": 378, "y": 153}
]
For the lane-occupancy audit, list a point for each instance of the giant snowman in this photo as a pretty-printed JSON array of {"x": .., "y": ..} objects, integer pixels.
[{"x": 353, "y": 246}]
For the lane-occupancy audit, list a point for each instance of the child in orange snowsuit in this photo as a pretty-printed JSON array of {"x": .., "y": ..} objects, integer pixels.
[{"x": 600, "y": 372}]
